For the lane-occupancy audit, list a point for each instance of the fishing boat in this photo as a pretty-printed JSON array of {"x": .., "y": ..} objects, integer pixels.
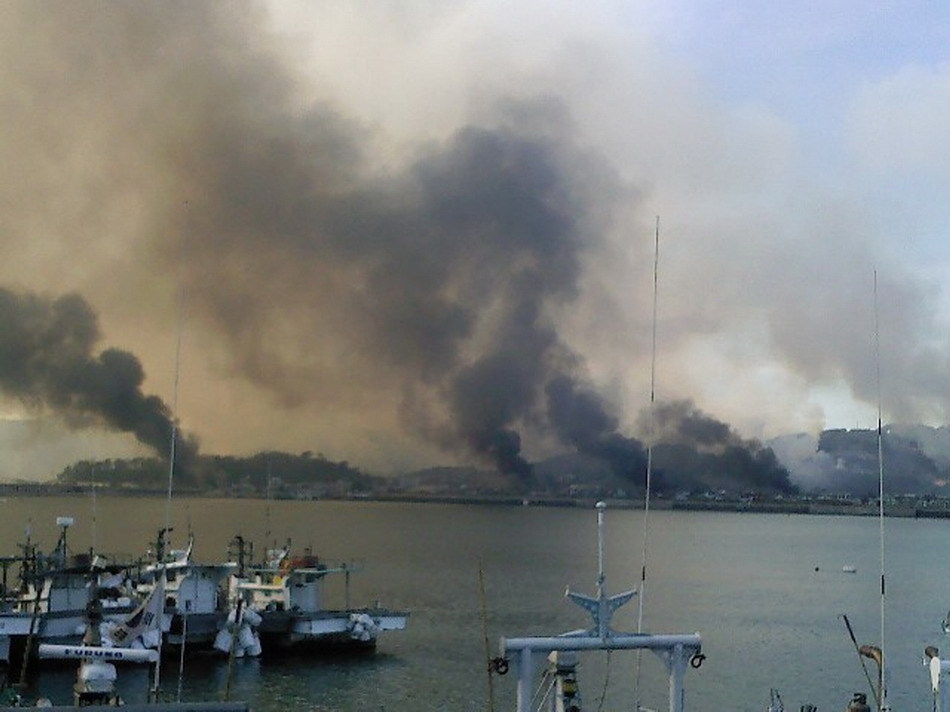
[
  {"x": 97, "y": 674},
  {"x": 49, "y": 605},
  {"x": 556, "y": 657},
  {"x": 280, "y": 605},
  {"x": 195, "y": 594}
]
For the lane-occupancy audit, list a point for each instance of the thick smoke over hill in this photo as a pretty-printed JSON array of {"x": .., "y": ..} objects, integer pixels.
[
  {"x": 425, "y": 284},
  {"x": 695, "y": 450},
  {"x": 47, "y": 361}
]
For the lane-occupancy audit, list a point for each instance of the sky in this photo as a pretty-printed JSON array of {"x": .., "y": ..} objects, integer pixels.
[{"x": 414, "y": 233}]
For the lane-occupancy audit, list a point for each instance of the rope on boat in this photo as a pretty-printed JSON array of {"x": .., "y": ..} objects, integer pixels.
[
  {"x": 857, "y": 649},
  {"x": 492, "y": 665},
  {"x": 546, "y": 679},
  {"x": 603, "y": 693}
]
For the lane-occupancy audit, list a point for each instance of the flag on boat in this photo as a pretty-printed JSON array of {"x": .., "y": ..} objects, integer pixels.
[{"x": 145, "y": 619}]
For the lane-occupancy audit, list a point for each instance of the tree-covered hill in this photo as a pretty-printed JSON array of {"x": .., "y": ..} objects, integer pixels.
[{"x": 265, "y": 471}]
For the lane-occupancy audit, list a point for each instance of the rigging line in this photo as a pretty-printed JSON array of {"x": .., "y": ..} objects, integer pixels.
[
  {"x": 603, "y": 693},
  {"x": 540, "y": 694},
  {"x": 181, "y": 653},
  {"x": 481, "y": 600},
  {"x": 857, "y": 650},
  {"x": 650, "y": 436},
  {"x": 882, "y": 701}
]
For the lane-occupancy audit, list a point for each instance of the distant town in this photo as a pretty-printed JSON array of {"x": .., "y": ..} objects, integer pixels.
[{"x": 835, "y": 473}]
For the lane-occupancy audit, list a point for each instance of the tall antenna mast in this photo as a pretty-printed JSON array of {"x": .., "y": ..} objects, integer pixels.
[
  {"x": 650, "y": 438},
  {"x": 174, "y": 435},
  {"x": 882, "y": 695},
  {"x": 173, "y": 448}
]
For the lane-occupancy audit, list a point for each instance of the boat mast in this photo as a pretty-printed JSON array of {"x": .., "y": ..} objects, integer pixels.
[
  {"x": 650, "y": 438},
  {"x": 882, "y": 689},
  {"x": 173, "y": 446},
  {"x": 174, "y": 414}
]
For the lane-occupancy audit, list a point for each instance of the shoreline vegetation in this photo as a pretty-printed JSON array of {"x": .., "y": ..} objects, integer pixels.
[{"x": 922, "y": 507}]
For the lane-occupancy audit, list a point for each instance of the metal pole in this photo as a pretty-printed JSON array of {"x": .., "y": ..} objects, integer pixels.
[
  {"x": 525, "y": 679},
  {"x": 677, "y": 667}
]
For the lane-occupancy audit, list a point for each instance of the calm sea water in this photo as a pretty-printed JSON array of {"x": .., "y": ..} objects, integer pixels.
[{"x": 765, "y": 591}]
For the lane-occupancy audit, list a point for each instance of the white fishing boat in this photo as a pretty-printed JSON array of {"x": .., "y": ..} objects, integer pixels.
[
  {"x": 282, "y": 604},
  {"x": 97, "y": 673},
  {"x": 49, "y": 605},
  {"x": 195, "y": 594},
  {"x": 96, "y": 676}
]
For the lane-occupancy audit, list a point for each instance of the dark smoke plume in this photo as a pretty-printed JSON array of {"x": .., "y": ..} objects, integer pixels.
[
  {"x": 682, "y": 423},
  {"x": 447, "y": 274},
  {"x": 581, "y": 420},
  {"x": 696, "y": 450},
  {"x": 323, "y": 266},
  {"x": 316, "y": 265},
  {"x": 47, "y": 360}
]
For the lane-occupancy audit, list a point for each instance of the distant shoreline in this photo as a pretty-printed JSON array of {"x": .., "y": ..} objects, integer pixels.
[
  {"x": 905, "y": 507},
  {"x": 821, "y": 508}
]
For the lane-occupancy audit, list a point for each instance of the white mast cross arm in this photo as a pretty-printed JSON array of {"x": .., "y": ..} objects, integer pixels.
[{"x": 601, "y": 609}]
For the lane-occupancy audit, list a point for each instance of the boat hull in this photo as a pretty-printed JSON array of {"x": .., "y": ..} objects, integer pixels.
[{"x": 354, "y": 629}]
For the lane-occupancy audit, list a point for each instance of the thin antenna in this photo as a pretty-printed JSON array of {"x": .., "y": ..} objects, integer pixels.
[
  {"x": 174, "y": 435},
  {"x": 650, "y": 438},
  {"x": 180, "y": 309},
  {"x": 267, "y": 531},
  {"x": 93, "y": 557},
  {"x": 172, "y": 454},
  {"x": 882, "y": 696}
]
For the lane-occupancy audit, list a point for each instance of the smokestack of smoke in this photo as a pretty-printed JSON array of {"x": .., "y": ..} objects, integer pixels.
[{"x": 47, "y": 361}]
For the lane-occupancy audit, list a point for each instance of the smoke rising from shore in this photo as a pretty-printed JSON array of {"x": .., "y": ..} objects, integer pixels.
[
  {"x": 48, "y": 361},
  {"x": 423, "y": 285}
]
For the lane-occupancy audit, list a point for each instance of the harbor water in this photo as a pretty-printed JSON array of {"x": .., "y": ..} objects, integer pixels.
[{"x": 766, "y": 592}]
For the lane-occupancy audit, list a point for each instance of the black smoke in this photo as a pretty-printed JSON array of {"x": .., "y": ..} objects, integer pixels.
[
  {"x": 696, "y": 451},
  {"x": 682, "y": 423},
  {"x": 48, "y": 360},
  {"x": 324, "y": 265},
  {"x": 455, "y": 268},
  {"x": 580, "y": 419}
]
